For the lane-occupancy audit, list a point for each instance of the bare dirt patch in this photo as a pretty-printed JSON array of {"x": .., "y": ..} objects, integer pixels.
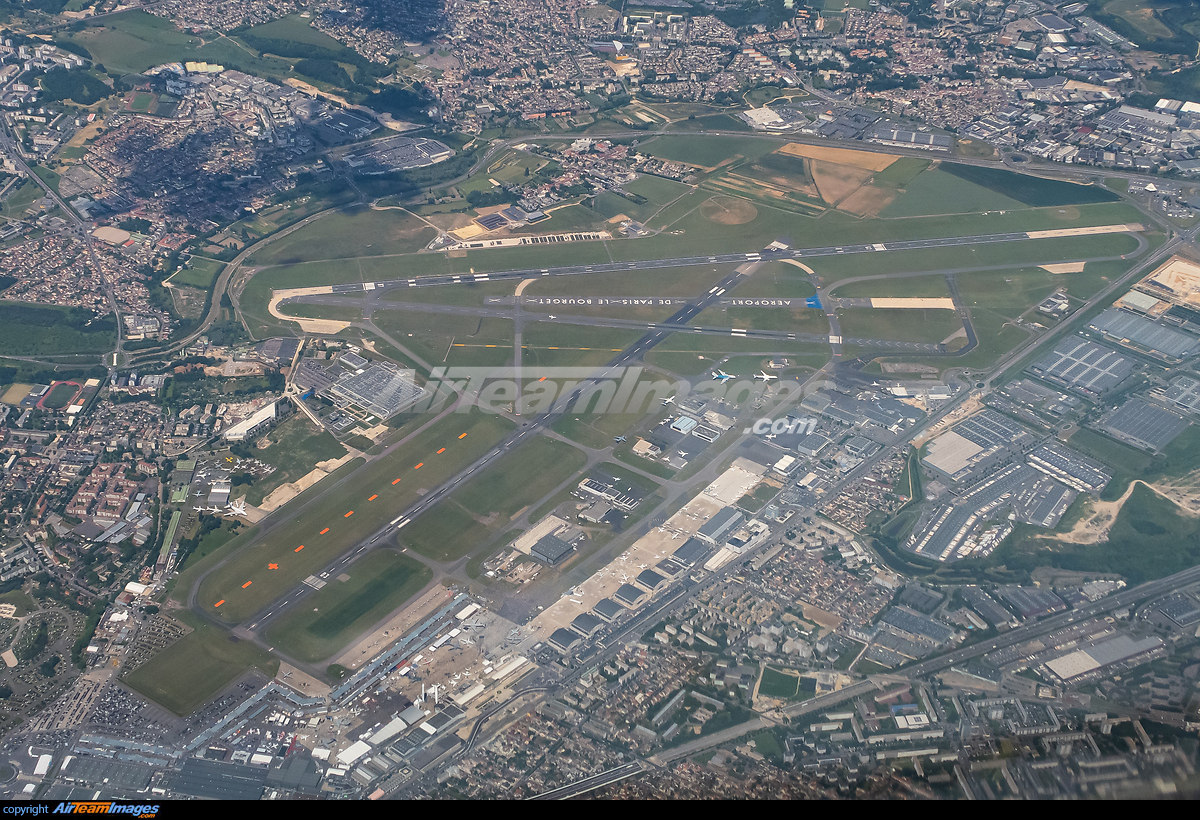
[
  {"x": 867, "y": 201},
  {"x": 841, "y": 156},
  {"x": 725, "y": 210},
  {"x": 836, "y": 181}
]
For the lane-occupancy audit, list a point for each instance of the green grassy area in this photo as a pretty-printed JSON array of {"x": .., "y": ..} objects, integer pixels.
[
  {"x": 488, "y": 503},
  {"x": 902, "y": 325},
  {"x": 578, "y": 345},
  {"x": 900, "y": 173},
  {"x": 297, "y": 29},
  {"x": 932, "y": 286},
  {"x": 789, "y": 319},
  {"x": 23, "y": 196},
  {"x": 197, "y": 666},
  {"x": 295, "y": 449},
  {"x": 1037, "y": 192},
  {"x": 347, "y": 234},
  {"x": 937, "y": 191},
  {"x": 1150, "y": 539},
  {"x": 340, "y": 611},
  {"x": 21, "y": 600},
  {"x": 133, "y": 41},
  {"x": 692, "y": 280},
  {"x": 346, "y": 494},
  {"x": 705, "y": 150},
  {"x": 47, "y": 330},
  {"x": 480, "y": 341},
  {"x": 775, "y": 280},
  {"x": 777, "y": 684},
  {"x": 340, "y": 313},
  {"x": 60, "y": 396},
  {"x": 199, "y": 273}
]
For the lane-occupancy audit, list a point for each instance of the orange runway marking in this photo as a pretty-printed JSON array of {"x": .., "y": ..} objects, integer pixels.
[
  {"x": 297, "y": 549},
  {"x": 372, "y": 498},
  {"x": 272, "y": 566},
  {"x": 542, "y": 379},
  {"x": 218, "y": 603},
  {"x": 394, "y": 483},
  {"x": 439, "y": 452},
  {"x": 419, "y": 466},
  {"x": 464, "y": 435},
  {"x": 347, "y": 515},
  {"x": 322, "y": 532},
  {"x": 248, "y": 583}
]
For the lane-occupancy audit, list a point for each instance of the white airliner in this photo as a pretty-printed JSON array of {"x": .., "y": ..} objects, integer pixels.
[
  {"x": 765, "y": 377},
  {"x": 721, "y": 376},
  {"x": 668, "y": 400}
]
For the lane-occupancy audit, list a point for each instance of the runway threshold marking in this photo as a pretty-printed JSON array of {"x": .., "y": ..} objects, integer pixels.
[
  {"x": 272, "y": 566},
  {"x": 419, "y": 466},
  {"x": 439, "y": 452},
  {"x": 322, "y": 532},
  {"x": 218, "y": 603},
  {"x": 464, "y": 435},
  {"x": 394, "y": 483},
  {"x": 248, "y": 583},
  {"x": 347, "y": 515},
  {"x": 372, "y": 498},
  {"x": 297, "y": 549}
]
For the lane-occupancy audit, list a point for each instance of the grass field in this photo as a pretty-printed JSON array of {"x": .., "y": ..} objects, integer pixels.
[
  {"x": 487, "y": 504},
  {"x": 706, "y": 151},
  {"x": 1033, "y": 191},
  {"x": 908, "y": 286},
  {"x": 901, "y": 325},
  {"x": 344, "y": 235},
  {"x": 297, "y": 29},
  {"x": 330, "y": 619},
  {"x": 135, "y": 40},
  {"x": 295, "y": 449},
  {"x": 200, "y": 273},
  {"x": 322, "y": 527},
  {"x": 938, "y": 192},
  {"x": 60, "y": 396},
  {"x": 790, "y": 319},
  {"x": 490, "y": 340},
  {"x": 45, "y": 330},
  {"x": 197, "y": 667},
  {"x": 777, "y": 684},
  {"x": 577, "y": 345}
]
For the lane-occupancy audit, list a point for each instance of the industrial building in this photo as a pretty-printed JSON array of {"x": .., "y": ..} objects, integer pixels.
[
  {"x": 1145, "y": 335},
  {"x": 1144, "y": 425},
  {"x": 1082, "y": 365},
  {"x": 720, "y": 525},
  {"x": 954, "y": 454},
  {"x": 381, "y": 390}
]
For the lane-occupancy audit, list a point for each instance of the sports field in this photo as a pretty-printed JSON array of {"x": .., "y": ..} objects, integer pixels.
[
  {"x": 489, "y": 502},
  {"x": 197, "y": 666},
  {"x": 323, "y": 623},
  {"x": 352, "y": 508}
]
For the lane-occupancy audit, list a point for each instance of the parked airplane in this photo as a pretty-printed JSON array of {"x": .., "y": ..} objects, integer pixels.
[
  {"x": 668, "y": 400},
  {"x": 618, "y": 439},
  {"x": 721, "y": 376},
  {"x": 770, "y": 437},
  {"x": 765, "y": 377}
]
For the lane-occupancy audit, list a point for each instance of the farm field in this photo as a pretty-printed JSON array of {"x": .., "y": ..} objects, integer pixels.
[
  {"x": 351, "y": 508},
  {"x": 197, "y": 666},
  {"x": 489, "y": 502},
  {"x": 329, "y": 619}
]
